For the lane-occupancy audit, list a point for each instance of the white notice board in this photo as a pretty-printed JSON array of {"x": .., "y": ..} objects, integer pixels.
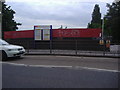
[
  {"x": 42, "y": 32},
  {"x": 37, "y": 33}
]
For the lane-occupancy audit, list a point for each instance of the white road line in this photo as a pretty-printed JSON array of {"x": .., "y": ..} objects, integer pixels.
[
  {"x": 36, "y": 65},
  {"x": 15, "y": 64},
  {"x": 49, "y": 66},
  {"x": 97, "y": 69},
  {"x": 55, "y": 66}
]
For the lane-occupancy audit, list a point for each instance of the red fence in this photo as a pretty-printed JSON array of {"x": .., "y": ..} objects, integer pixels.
[
  {"x": 19, "y": 34},
  {"x": 55, "y": 33},
  {"x": 76, "y": 32}
]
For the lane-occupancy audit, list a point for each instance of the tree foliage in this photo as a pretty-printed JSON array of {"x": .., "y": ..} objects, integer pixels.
[
  {"x": 112, "y": 26},
  {"x": 96, "y": 18},
  {"x": 8, "y": 22}
]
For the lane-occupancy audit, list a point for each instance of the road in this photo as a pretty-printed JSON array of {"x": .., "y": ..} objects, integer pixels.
[
  {"x": 48, "y": 60},
  {"x": 60, "y": 72}
]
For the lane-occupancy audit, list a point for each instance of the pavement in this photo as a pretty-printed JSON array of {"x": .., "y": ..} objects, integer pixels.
[{"x": 73, "y": 53}]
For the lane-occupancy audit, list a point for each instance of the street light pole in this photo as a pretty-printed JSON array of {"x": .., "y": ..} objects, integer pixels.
[
  {"x": 103, "y": 42},
  {"x": 102, "y": 33},
  {"x": 103, "y": 25},
  {"x": 103, "y": 29}
]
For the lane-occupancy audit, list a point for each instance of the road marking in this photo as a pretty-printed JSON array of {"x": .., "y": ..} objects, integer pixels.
[
  {"x": 36, "y": 65},
  {"x": 97, "y": 69},
  {"x": 56, "y": 66},
  {"x": 14, "y": 64},
  {"x": 50, "y": 66}
]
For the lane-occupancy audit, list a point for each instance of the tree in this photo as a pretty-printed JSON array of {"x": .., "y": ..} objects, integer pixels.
[
  {"x": 96, "y": 18},
  {"x": 112, "y": 24},
  {"x": 8, "y": 22}
]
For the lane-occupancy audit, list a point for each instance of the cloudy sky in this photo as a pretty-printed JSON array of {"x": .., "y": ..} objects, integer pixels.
[{"x": 70, "y": 13}]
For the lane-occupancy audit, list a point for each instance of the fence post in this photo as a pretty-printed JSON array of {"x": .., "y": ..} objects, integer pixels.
[
  {"x": 50, "y": 46},
  {"x": 76, "y": 47},
  {"x": 34, "y": 44},
  {"x": 104, "y": 48},
  {"x": 28, "y": 47}
]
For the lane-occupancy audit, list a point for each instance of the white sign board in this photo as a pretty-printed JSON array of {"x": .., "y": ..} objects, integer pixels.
[
  {"x": 42, "y": 32},
  {"x": 37, "y": 33},
  {"x": 46, "y": 34}
]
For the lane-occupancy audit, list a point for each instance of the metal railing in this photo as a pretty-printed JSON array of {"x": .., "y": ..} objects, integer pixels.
[{"x": 66, "y": 47}]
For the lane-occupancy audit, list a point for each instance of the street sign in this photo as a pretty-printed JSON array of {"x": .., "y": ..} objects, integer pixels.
[{"x": 101, "y": 42}]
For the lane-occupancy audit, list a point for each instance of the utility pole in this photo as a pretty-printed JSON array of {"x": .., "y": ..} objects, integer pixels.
[
  {"x": 103, "y": 29},
  {"x": 102, "y": 34}
]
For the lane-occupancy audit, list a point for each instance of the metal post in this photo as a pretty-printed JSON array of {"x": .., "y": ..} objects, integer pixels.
[
  {"x": 28, "y": 47},
  {"x": 103, "y": 36},
  {"x": 76, "y": 47},
  {"x": 50, "y": 39},
  {"x": 103, "y": 29},
  {"x": 104, "y": 49},
  {"x": 50, "y": 46}
]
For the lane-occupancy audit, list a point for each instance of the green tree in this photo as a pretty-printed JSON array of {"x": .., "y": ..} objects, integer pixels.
[
  {"x": 113, "y": 23},
  {"x": 96, "y": 18},
  {"x": 8, "y": 22}
]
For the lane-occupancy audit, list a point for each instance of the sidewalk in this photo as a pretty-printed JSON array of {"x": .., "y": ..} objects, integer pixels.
[{"x": 72, "y": 53}]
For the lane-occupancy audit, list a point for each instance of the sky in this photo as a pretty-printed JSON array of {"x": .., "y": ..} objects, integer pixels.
[{"x": 68, "y": 13}]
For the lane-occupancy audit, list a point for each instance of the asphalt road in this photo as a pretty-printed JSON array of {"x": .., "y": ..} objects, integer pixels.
[
  {"x": 90, "y": 62},
  {"x": 73, "y": 72}
]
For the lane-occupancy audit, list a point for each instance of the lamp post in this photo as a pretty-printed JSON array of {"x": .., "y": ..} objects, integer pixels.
[
  {"x": 102, "y": 42},
  {"x": 103, "y": 29},
  {"x": 103, "y": 26},
  {"x": 102, "y": 33}
]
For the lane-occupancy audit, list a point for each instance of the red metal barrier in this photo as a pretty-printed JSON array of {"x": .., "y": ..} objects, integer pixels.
[
  {"x": 19, "y": 34},
  {"x": 76, "y": 32},
  {"x": 55, "y": 33}
]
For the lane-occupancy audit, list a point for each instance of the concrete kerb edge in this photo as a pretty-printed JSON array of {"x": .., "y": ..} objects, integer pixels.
[{"x": 76, "y": 55}]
